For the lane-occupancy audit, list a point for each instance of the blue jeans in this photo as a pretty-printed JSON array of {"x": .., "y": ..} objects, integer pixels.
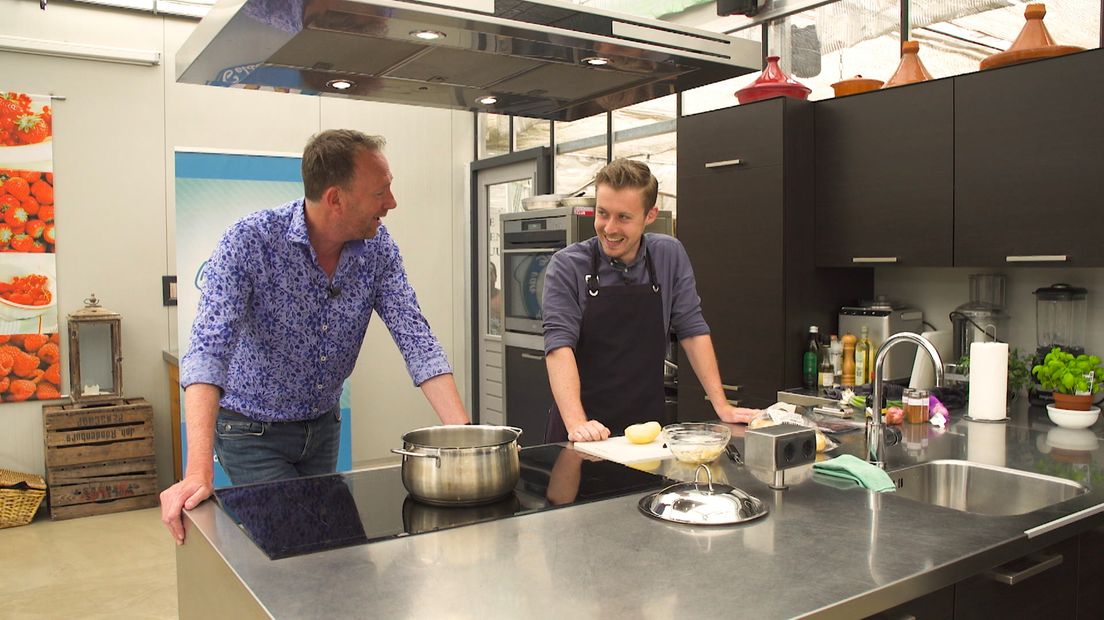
[{"x": 252, "y": 451}]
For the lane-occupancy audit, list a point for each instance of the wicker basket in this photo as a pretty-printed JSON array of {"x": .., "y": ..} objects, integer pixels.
[{"x": 20, "y": 496}]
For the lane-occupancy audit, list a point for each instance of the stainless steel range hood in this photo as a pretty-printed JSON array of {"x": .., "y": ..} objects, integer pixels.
[{"x": 532, "y": 57}]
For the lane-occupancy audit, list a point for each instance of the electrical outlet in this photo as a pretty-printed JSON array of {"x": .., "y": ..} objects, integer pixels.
[{"x": 779, "y": 447}]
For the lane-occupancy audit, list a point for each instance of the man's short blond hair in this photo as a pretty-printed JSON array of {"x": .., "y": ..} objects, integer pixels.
[{"x": 627, "y": 173}]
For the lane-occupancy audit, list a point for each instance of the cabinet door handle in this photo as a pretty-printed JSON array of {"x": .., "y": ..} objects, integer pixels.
[
  {"x": 731, "y": 388},
  {"x": 724, "y": 163},
  {"x": 1037, "y": 258},
  {"x": 873, "y": 259},
  {"x": 531, "y": 356},
  {"x": 1010, "y": 577},
  {"x": 734, "y": 403}
]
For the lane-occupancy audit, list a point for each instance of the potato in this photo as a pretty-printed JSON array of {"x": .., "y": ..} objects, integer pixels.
[
  {"x": 761, "y": 422},
  {"x": 822, "y": 441},
  {"x": 643, "y": 433}
]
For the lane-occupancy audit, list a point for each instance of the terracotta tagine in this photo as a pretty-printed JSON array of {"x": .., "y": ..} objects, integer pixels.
[
  {"x": 855, "y": 85},
  {"x": 1033, "y": 43},
  {"x": 773, "y": 82},
  {"x": 910, "y": 69}
]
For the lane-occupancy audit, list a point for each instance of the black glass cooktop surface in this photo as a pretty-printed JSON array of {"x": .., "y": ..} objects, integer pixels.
[{"x": 303, "y": 515}]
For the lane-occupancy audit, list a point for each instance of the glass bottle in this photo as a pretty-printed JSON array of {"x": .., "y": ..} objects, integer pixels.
[
  {"x": 835, "y": 351},
  {"x": 810, "y": 361},
  {"x": 864, "y": 358},
  {"x": 825, "y": 376}
]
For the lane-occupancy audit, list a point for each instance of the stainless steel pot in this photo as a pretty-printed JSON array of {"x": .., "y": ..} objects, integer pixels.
[{"x": 460, "y": 465}]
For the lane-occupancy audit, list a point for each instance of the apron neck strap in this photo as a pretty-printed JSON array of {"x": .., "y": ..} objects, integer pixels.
[{"x": 592, "y": 277}]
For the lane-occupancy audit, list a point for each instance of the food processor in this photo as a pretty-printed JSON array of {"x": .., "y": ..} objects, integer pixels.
[{"x": 983, "y": 318}]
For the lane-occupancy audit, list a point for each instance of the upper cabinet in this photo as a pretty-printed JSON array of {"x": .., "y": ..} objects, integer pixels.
[
  {"x": 988, "y": 169},
  {"x": 885, "y": 177},
  {"x": 1029, "y": 174},
  {"x": 745, "y": 180}
]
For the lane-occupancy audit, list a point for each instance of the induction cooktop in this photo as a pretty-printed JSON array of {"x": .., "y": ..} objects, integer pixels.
[{"x": 292, "y": 517}]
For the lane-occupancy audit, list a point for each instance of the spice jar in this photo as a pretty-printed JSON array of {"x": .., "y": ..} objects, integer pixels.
[{"x": 915, "y": 401}]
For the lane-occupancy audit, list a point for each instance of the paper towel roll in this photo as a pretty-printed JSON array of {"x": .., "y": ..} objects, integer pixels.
[
  {"x": 985, "y": 442},
  {"x": 988, "y": 380}
]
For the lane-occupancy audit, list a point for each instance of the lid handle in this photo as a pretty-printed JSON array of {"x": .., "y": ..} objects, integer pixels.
[{"x": 708, "y": 476}]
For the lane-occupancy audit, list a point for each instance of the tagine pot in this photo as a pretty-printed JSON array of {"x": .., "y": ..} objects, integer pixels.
[
  {"x": 1033, "y": 43},
  {"x": 773, "y": 82},
  {"x": 910, "y": 69}
]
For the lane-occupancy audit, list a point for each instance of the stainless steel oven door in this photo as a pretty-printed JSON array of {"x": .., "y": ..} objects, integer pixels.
[{"x": 523, "y": 287}]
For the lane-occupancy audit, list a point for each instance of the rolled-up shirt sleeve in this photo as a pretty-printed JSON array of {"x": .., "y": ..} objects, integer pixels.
[
  {"x": 562, "y": 313},
  {"x": 223, "y": 299},
  {"x": 686, "y": 313},
  {"x": 397, "y": 305}
]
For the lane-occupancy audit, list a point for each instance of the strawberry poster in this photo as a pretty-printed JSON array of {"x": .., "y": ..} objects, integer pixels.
[{"x": 30, "y": 358}]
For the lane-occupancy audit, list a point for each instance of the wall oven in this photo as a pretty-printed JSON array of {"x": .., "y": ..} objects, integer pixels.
[{"x": 529, "y": 239}]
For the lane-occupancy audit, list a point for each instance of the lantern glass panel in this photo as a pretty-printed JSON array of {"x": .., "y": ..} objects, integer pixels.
[{"x": 97, "y": 361}]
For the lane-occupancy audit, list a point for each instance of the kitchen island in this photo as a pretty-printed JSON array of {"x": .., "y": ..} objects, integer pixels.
[{"x": 820, "y": 552}]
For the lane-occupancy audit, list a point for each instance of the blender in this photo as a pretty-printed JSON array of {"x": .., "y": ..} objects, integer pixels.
[
  {"x": 982, "y": 319},
  {"x": 1060, "y": 311},
  {"x": 1060, "y": 321}
]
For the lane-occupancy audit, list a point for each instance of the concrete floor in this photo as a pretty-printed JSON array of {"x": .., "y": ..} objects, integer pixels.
[{"x": 120, "y": 565}]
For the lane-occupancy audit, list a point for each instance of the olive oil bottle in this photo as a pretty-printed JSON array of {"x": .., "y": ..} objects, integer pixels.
[{"x": 864, "y": 358}]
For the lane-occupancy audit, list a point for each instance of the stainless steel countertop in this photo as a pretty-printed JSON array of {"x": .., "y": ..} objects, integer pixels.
[{"x": 821, "y": 551}]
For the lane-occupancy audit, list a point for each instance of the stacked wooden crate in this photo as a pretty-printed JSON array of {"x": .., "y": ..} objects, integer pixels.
[{"x": 100, "y": 457}]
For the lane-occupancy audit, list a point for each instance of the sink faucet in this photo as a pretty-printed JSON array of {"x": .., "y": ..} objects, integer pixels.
[{"x": 875, "y": 428}]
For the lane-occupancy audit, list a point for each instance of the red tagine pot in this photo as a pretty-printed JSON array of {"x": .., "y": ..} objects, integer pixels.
[{"x": 773, "y": 82}]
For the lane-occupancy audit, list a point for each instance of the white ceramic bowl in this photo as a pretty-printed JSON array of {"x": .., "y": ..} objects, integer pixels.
[
  {"x": 11, "y": 311},
  {"x": 1067, "y": 418}
]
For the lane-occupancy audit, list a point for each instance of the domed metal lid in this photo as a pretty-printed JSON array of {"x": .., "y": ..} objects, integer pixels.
[{"x": 702, "y": 504}]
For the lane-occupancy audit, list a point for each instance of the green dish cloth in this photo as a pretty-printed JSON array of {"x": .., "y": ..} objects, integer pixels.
[{"x": 857, "y": 471}]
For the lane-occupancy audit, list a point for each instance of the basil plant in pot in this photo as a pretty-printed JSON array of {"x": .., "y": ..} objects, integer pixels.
[{"x": 1072, "y": 378}]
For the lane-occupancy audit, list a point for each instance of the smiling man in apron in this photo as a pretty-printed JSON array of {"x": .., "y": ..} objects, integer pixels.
[{"x": 609, "y": 304}]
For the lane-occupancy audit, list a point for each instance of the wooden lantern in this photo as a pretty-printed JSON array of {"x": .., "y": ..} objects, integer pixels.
[{"x": 95, "y": 354}]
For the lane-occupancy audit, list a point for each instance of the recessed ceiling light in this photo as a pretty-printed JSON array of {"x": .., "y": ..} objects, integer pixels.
[
  {"x": 341, "y": 84},
  {"x": 489, "y": 100},
  {"x": 427, "y": 35},
  {"x": 596, "y": 61}
]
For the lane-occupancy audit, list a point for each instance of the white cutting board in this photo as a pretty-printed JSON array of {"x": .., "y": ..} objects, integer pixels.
[{"x": 620, "y": 450}]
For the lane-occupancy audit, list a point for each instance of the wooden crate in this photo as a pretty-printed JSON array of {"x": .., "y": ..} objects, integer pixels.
[{"x": 99, "y": 457}]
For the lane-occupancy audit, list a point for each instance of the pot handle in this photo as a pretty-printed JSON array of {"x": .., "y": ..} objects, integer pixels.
[
  {"x": 514, "y": 428},
  {"x": 421, "y": 455}
]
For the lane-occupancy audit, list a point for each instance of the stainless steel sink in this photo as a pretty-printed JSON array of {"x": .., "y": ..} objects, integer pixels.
[{"x": 982, "y": 489}]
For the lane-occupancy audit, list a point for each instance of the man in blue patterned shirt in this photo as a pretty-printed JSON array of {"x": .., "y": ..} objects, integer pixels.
[{"x": 286, "y": 301}]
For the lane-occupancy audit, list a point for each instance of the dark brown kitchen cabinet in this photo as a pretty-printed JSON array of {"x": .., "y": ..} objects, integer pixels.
[
  {"x": 1045, "y": 587},
  {"x": 745, "y": 179},
  {"x": 1028, "y": 180},
  {"x": 1090, "y": 574},
  {"x": 885, "y": 177}
]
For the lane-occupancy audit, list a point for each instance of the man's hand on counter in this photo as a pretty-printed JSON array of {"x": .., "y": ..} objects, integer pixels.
[
  {"x": 187, "y": 493},
  {"x": 591, "y": 430},
  {"x": 737, "y": 415}
]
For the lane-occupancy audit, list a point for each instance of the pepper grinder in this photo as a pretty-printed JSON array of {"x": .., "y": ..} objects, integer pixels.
[{"x": 848, "y": 360}]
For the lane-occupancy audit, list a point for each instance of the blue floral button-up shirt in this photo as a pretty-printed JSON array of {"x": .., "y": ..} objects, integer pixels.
[{"x": 278, "y": 337}]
